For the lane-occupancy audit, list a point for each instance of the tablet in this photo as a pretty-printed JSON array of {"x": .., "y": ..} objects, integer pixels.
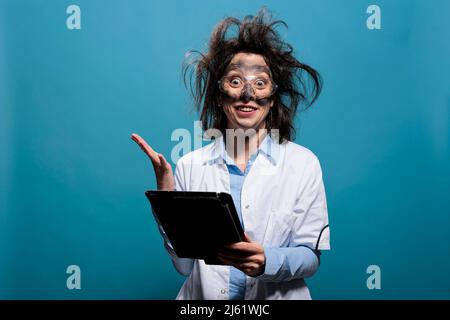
[{"x": 197, "y": 224}]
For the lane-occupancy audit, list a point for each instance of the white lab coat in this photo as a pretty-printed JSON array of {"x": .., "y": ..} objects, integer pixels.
[{"x": 283, "y": 205}]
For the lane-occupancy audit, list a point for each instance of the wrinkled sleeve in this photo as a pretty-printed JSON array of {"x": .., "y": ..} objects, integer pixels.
[
  {"x": 309, "y": 234},
  {"x": 311, "y": 223}
]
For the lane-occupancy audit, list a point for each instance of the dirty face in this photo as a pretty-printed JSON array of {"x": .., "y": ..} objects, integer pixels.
[{"x": 248, "y": 90}]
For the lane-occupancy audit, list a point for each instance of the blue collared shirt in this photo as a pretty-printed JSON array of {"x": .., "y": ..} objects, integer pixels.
[
  {"x": 237, "y": 277},
  {"x": 304, "y": 257}
]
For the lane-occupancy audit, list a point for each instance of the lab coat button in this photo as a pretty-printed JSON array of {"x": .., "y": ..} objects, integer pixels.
[{"x": 247, "y": 206}]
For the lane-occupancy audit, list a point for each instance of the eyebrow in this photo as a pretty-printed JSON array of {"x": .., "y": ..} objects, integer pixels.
[{"x": 244, "y": 66}]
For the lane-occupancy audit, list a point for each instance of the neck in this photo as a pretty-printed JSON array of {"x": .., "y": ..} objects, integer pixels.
[{"x": 241, "y": 144}]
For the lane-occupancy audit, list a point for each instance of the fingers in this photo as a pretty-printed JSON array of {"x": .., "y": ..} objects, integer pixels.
[
  {"x": 164, "y": 162},
  {"x": 147, "y": 149},
  {"x": 249, "y": 267},
  {"x": 247, "y": 237},
  {"x": 244, "y": 247},
  {"x": 237, "y": 258},
  {"x": 234, "y": 262}
]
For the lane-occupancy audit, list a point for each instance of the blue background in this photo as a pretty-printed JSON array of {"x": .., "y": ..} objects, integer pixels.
[{"x": 72, "y": 182}]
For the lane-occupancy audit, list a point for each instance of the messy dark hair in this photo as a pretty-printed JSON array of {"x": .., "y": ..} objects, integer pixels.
[{"x": 257, "y": 35}]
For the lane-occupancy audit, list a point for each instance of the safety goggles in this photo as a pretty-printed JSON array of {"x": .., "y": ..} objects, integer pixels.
[{"x": 239, "y": 84}]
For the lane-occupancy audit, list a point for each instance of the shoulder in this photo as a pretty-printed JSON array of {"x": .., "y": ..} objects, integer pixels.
[
  {"x": 303, "y": 164},
  {"x": 299, "y": 153},
  {"x": 301, "y": 161}
]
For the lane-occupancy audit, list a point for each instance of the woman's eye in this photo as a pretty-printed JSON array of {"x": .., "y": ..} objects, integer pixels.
[
  {"x": 260, "y": 83},
  {"x": 235, "y": 82}
]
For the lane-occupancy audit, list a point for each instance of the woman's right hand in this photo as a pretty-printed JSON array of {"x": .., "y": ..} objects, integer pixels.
[{"x": 163, "y": 170}]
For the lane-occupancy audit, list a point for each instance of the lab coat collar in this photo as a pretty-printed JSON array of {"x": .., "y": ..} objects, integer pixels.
[{"x": 215, "y": 153}]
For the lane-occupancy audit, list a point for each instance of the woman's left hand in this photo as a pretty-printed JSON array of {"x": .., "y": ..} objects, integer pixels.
[{"x": 247, "y": 256}]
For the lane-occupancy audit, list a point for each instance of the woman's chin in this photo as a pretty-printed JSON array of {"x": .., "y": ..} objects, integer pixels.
[{"x": 246, "y": 124}]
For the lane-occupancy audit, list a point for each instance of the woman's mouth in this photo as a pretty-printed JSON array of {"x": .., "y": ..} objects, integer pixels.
[
  {"x": 245, "y": 111},
  {"x": 245, "y": 108}
]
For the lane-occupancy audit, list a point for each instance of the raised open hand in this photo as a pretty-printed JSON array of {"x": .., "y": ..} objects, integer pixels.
[{"x": 163, "y": 170}]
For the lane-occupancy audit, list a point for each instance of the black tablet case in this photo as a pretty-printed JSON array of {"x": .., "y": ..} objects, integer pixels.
[{"x": 197, "y": 223}]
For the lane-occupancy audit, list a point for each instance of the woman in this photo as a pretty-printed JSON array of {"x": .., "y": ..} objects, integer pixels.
[{"x": 248, "y": 87}]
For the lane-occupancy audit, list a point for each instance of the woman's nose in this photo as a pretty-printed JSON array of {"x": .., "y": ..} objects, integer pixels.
[{"x": 247, "y": 93}]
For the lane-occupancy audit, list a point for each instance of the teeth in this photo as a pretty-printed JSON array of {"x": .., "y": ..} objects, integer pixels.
[{"x": 246, "y": 109}]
